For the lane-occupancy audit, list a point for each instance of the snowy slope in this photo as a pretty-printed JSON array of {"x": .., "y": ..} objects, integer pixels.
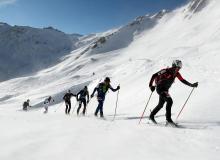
[
  {"x": 25, "y": 50},
  {"x": 190, "y": 33}
]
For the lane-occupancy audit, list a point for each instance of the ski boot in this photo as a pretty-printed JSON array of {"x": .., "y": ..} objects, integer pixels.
[
  {"x": 170, "y": 123},
  {"x": 152, "y": 119}
]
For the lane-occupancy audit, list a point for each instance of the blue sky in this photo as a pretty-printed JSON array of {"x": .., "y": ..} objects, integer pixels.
[{"x": 79, "y": 16}]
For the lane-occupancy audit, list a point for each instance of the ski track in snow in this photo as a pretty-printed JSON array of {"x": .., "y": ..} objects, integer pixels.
[{"x": 56, "y": 136}]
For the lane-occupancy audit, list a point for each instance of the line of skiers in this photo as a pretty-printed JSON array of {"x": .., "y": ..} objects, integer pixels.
[
  {"x": 163, "y": 80},
  {"x": 82, "y": 97}
]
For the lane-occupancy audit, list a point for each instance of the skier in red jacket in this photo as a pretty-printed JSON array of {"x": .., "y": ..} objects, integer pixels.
[{"x": 163, "y": 80}]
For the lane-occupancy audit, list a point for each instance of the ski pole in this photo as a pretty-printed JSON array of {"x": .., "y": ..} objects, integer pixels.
[
  {"x": 185, "y": 103},
  {"x": 58, "y": 107},
  {"x": 116, "y": 106},
  {"x": 145, "y": 107}
]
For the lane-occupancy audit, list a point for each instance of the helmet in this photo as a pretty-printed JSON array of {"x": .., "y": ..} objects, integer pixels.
[
  {"x": 85, "y": 87},
  {"x": 28, "y": 100},
  {"x": 177, "y": 63},
  {"x": 107, "y": 79}
]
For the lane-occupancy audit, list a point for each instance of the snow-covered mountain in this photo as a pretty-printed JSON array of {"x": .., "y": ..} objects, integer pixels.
[
  {"x": 32, "y": 49},
  {"x": 25, "y": 50},
  {"x": 129, "y": 55}
]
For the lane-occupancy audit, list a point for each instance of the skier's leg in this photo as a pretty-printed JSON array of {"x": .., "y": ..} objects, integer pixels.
[
  {"x": 84, "y": 105},
  {"x": 101, "y": 108},
  {"x": 158, "y": 107},
  {"x": 25, "y": 108},
  {"x": 46, "y": 108},
  {"x": 97, "y": 109},
  {"x": 66, "y": 110},
  {"x": 169, "y": 101},
  {"x": 69, "y": 108},
  {"x": 78, "y": 109},
  {"x": 168, "y": 109}
]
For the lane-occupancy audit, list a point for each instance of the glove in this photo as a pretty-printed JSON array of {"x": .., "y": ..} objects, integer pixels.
[
  {"x": 118, "y": 88},
  {"x": 195, "y": 84},
  {"x": 152, "y": 88},
  {"x": 92, "y": 96}
]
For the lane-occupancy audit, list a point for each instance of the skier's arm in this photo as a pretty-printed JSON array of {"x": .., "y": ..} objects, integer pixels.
[
  {"x": 95, "y": 89},
  {"x": 64, "y": 97},
  {"x": 114, "y": 90},
  {"x": 152, "y": 79},
  {"x": 185, "y": 81},
  {"x": 152, "y": 88}
]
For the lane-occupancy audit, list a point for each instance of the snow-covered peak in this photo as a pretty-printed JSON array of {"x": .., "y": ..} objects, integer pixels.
[
  {"x": 121, "y": 37},
  {"x": 160, "y": 14},
  {"x": 141, "y": 19},
  {"x": 3, "y": 24}
]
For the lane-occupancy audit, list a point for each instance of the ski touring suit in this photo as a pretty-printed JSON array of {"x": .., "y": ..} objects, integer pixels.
[
  {"x": 47, "y": 102},
  {"x": 164, "y": 80},
  {"x": 67, "y": 99},
  {"x": 26, "y": 105},
  {"x": 82, "y": 99},
  {"x": 102, "y": 89}
]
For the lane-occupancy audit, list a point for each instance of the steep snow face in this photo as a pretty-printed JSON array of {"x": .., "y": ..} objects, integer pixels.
[
  {"x": 26, "y": 50},
  {"x": 197, "y": 5},
  {"x": 125, "y": 35},
  {"x": 193, "y": 40}
]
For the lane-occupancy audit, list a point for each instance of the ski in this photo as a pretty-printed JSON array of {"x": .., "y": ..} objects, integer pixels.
[{"x": 165, "y": 125}]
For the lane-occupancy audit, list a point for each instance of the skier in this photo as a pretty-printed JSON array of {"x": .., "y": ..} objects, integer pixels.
[
  {"x": 67, "y": 99},
  {"x": 47, "y": 102},
  {"x": 81, "y": 97},
  {"x": 102, "y": 88},
  {"x": 26, "y": 104},
  {"x": 163, "y": 80}
]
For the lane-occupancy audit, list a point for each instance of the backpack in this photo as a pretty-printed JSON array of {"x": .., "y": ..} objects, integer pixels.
[
  {"x": 163, "y": 75},
  {"x": 102, "y": 88}
]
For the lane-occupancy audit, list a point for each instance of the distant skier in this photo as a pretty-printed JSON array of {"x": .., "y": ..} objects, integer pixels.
[
  {"x": 163, "y": 80},
  {"x": 26, "y": 104},
  {"x": 81, "y": 97},
  {"x": 102, "y": 88},
  {"x": 67, "y": 99},
  {"x": 47, "y": 102}
]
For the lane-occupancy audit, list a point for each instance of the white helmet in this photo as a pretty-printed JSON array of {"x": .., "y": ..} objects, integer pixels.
[{"x": 177, "y": 63}]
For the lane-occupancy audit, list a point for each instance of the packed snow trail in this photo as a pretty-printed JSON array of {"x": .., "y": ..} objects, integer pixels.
[{"x": 56, "y": 136}]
